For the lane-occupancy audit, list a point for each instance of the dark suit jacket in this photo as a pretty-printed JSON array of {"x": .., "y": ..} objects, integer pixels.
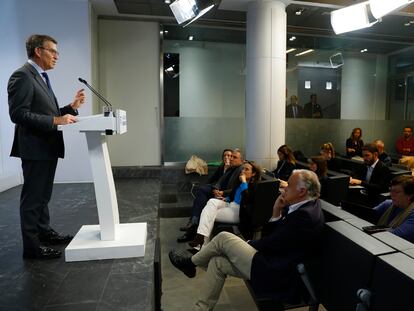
[
  {"x": 229, "y": 181},
  {"x": 286, "y": 242},
  {"x": 310, "y": 109},
  {"x": 32, "y": 108},
  {"x": 380, "y": 179},
  {"x": 217, "y": 175},
  {"x": 289, "y": 111},
  {"x": 355, "y": 145},
  {"x": 283, "y": 170}
]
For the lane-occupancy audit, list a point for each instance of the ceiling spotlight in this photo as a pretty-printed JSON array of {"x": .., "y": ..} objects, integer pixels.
[
  {"x": 299, "y": 12},
  {"x": 305, "y": 52},
  {"x": 290, "y": 50},
  {"x": 352, "y": 18},
  {"x": 364, "y": 50},
  {"x": 190, "y": 10},
  {"x": 167, "y": 1},
  {"x": 293, "y": 38},
  {"x": 191, "y": 38},
  {"x": 379, "y": 8}
]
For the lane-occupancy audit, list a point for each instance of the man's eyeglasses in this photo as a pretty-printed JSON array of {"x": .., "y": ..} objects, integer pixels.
[{"x": 53, "y": 51}]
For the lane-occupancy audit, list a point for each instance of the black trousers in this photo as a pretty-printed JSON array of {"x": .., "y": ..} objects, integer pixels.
[
  {"x": 202, "y": 196},
  {"x": 34, "y": 199}
]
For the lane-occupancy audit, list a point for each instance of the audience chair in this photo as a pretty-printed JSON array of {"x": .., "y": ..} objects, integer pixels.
[
  {"x": 272, "y": 304},
  {"x": 266, "y": 194}
]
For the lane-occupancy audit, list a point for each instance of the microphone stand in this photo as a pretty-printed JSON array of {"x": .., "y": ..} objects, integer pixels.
[{"x": 108, "y": 106}]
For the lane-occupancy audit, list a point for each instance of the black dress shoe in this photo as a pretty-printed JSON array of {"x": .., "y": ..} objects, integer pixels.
[
  {"x": 43, "y": 252},
  {"x": 198, "y": 240},
  {"x": 187, "y": 226},
  {"x": 186, "y": 237},
  {"x": 54, "y": 238},
  {"x": 184, "y": 264},
  {"x": 189, "y": 235}
]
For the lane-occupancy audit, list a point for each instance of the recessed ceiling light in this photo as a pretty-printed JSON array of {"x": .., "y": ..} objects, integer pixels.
[
  {"x": 299, "y": 12},
  {"x": 191, "y": 38},
  {"x": 364, "y": 50},
  {"x": 290, "y": 50},
  {"x": 166, "y": 31},
  {"x": 407, "y": 24},
  {"x": 167, "y": 1},
  {"x": 293, "y": 38},
  {"x": 411, "y": 22}
]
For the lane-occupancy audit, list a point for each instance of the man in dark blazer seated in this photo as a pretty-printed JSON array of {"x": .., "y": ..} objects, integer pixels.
[
  {"x": 34, "y": 109},
  {"x": 374, "y": 177},
  {"x": 291, "y": 235},
  {"x": 294, "y": 110}
]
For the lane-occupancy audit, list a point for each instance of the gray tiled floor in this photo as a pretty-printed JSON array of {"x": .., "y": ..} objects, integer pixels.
[
  {"x": 55, "y": 285},
  {"x": 179, "y": 292}
]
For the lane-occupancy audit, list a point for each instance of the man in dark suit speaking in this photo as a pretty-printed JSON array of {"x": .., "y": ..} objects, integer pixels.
[
  {"x": 34, "y": 109},
  {"x": 290, "y": 236}
]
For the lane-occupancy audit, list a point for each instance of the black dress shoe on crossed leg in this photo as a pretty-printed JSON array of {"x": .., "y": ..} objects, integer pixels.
[
  {"x": 184, "y": 264},
  {"x": 54, "y": 238},
  {"x": 43, "y": 252}
]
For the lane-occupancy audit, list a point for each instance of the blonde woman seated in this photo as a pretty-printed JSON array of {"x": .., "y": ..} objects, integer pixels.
[{"x": 227, "y": 209}]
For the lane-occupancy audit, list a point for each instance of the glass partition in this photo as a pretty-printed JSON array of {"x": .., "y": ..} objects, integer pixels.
[
  {"x": 354, "y": 87},
  {"x": 210, "y": 78}
]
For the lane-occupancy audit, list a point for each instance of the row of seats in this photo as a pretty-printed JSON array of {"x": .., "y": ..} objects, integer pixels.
[
  {"x": 380, "y": 267},
  {"x": 351, "y": 260}
]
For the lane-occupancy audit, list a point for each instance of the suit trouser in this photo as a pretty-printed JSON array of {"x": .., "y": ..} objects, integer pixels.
[
  {"x": 34, "y": 199},
  {"x": 217, "y": 210},
  {"x": 226, "y": 254},
  {"x": 202, "y": 196}
]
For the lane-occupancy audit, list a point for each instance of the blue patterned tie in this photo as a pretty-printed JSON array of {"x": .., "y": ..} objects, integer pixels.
[{"x": 44, "y": 74}]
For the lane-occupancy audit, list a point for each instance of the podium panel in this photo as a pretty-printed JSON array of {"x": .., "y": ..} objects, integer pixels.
[
  {"x": 109, "y": 239},
  {"x": 87, "y": 244}
]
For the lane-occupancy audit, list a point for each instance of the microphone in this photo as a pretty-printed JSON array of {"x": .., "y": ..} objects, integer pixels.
[{"x": 103, "y": 99}]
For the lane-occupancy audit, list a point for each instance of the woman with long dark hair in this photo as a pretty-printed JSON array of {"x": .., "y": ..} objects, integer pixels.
[
  {"x": 286, "y": 163},
  {"x": 354, "y": 143}
]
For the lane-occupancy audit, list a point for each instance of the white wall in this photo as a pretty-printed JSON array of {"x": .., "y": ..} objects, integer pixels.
[
  {"x": 212, "y": 78},
  {"x": 129, "y": 72},
  {"x": 12, "y": 55},
  {"x": 68, "y": 22}
]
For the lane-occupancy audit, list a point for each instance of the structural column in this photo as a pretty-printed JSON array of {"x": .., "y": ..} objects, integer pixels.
[{"x": 265, "y": 80}]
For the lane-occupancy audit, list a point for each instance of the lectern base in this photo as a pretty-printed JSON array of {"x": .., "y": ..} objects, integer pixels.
[{"x": 87, "y": 243}]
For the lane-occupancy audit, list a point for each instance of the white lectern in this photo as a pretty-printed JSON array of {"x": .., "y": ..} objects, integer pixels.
[{"x": 109, "y": 239}]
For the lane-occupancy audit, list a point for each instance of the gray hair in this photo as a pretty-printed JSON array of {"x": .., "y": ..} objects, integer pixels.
[
  {"x": 309, "y": 180},
  {"x": 239, "y": 152}
]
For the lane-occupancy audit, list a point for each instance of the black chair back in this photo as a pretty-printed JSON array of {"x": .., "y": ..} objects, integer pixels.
[{"x": 266, "y": 194}]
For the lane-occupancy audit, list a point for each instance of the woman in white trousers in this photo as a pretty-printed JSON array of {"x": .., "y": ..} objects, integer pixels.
[{"x": 225, "y": 209}]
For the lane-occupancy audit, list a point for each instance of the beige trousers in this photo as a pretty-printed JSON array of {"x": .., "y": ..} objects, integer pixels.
[{"x": 226, "y": 254}]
